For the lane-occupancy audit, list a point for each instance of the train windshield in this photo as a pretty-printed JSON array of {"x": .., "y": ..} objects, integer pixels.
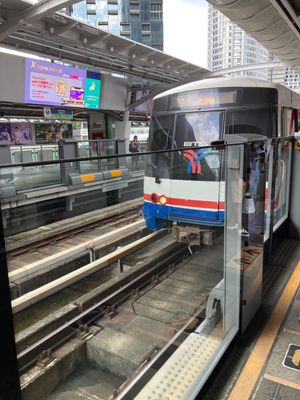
[
  {"x": 161, "y": 136},
  {"x": 161, "y": 132},
  {"x": 198, "y": 129}
]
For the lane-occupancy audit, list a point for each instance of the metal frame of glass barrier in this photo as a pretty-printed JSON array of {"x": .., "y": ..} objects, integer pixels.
[
  {"x": 273, "y": 195},
  {"x": 9, "y": 372},
  {"x": 231, "y": 283}
]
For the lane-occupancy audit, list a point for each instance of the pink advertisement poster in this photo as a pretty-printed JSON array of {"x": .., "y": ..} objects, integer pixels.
[{"x": 21, "y": 133}]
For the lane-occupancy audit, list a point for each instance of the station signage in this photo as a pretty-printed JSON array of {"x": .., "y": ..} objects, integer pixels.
[
  {"x": 292, "y": 357},
  {"x": 58, "y": 113},
  {"x": 58, "y": 85}
]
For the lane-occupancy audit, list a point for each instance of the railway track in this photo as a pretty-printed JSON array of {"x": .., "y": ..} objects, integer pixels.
[
  {"x": 156, "y": 296},
  {"x": 32, "y": 264},
  {"x": 75, "y": 228}
]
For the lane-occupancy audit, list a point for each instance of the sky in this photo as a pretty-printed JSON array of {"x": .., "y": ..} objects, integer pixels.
[{"x": 186, "y": 30}]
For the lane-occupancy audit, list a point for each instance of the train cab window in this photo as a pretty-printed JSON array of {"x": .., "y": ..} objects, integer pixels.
[
  {"x": 198, "y": 129},
  {"x": 260, "y": 121},
  {"x": 161, "y": 136},
  {"x": 192, "y": 130},
  {"x": 288, "y": 122},
  {"x": 161, "y": 132}
]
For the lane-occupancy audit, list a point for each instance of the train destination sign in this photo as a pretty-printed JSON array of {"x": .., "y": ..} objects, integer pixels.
[
  {"x": 58, "y": 85},
  {"x": 202, "y": 98}
]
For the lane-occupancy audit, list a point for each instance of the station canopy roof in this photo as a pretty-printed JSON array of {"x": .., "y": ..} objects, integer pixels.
[
  {"x": 39, "y": 27},
  {"x": 273, "y": 23}
]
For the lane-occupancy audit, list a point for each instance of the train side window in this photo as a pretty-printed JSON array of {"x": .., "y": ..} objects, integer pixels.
[
  {"x": 260, "y": 121},
  {"x": 161, "y": 132},
  {"x": 288, "y": 121}
]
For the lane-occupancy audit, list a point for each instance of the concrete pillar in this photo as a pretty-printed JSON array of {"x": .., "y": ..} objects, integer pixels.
[
  {"x": 123, "y": 130},
  {"x": 96, "y": 125}
]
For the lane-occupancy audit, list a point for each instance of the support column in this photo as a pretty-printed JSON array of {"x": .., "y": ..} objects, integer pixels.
[{"x": 123, "y": 131}]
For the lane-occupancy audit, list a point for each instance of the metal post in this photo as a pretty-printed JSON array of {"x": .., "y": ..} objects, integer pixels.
[
  {"x": 99, "y": 153},
  {"x": 9, "y": 374},
  {"x": 273, "y": 185}
]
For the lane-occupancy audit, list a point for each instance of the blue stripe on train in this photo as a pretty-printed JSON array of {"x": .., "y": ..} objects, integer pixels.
[{"x": 156, "y": 216}]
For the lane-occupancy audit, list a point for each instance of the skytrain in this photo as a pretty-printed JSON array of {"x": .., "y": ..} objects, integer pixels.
[{"x": 186, "y": 187}]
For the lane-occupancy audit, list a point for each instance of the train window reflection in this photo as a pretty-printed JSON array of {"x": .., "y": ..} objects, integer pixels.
[
  {"x": 198, "y": 129},
  {"x": 260, "y": 121},
  {"x": 161, "y": 139},
  {"x": 161, "y": 132}
]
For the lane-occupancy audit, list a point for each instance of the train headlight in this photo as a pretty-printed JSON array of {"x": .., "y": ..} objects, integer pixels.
[
  {"x": 163, "y": 200},
  {"x": 154, "y": 198}
]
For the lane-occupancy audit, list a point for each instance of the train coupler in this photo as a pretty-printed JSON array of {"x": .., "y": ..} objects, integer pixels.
[{"x": 193, "y": 235}]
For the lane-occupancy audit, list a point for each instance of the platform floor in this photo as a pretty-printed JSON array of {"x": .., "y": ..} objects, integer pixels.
[
  {"x": 272, "y": 368},
  {"x": 280, "y": 378}
]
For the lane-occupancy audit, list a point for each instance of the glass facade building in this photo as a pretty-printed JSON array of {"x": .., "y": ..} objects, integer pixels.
[
  {"x": 229, "y": 46},
  {"x": 139, "y": 20}
]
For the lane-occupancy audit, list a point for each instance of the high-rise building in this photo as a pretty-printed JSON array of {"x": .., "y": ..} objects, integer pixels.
[
  {"x": 229, "y": 46},
  {"x": 288, "y": 77},
  {"x": 139, "y": 20}
]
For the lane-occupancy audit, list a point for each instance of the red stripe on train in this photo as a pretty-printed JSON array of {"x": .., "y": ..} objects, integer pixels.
[{"x": 189, "y": 203}]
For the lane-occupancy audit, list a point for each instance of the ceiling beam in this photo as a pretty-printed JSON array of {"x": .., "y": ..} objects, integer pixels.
[
  {"x": 56, "y": 30},
  {"x": 31, "y": 14}
]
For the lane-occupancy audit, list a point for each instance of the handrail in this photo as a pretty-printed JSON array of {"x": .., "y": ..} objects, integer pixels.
[{"x": 123, "y": 155}]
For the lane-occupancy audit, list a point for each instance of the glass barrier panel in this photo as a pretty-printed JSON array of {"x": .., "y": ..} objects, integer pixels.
[
  {"x": 126, "y": 294},
  {"x": 88, "y": 149},
  {"x": 192, "y": 192},
  {"x": 138, "y": 161}
]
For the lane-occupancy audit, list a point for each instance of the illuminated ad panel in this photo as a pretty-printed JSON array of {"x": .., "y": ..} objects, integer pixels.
[
  {"x": 57, "y": 85},
  {"x": 92, "y": 90}
]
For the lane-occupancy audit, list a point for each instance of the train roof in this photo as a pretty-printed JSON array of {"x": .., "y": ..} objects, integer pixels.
[{"x": 288, "y": 97}]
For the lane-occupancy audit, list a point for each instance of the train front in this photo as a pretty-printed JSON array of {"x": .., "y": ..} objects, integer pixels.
[{"x": 183, "y": 181}]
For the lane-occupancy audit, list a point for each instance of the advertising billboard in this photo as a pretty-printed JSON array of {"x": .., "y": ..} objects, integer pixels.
[
  {"x": 16, "y": 133},
  {"x": 57, "y": 85},
  {"x": 52, "y": 133},
  {"x": 21, "y": 133},
  {"x": 5, "y": 132},
  {"x": 92, "y": 90}
]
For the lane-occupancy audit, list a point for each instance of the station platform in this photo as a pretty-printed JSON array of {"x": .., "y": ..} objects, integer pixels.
[
  {"x": 264, "y": 363},
  {"x": 280, "y": 376}
]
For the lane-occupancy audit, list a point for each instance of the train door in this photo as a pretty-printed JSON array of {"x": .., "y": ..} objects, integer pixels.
[{"x": 196, "y": 173}]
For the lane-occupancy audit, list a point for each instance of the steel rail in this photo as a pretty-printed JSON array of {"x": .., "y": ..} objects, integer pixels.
[{"x": 28, "y": 357}]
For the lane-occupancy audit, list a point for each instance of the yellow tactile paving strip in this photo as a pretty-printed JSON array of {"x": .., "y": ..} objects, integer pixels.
[
  {"x": 178, "y": 376},
  {"x": 253, "y": 367}
]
